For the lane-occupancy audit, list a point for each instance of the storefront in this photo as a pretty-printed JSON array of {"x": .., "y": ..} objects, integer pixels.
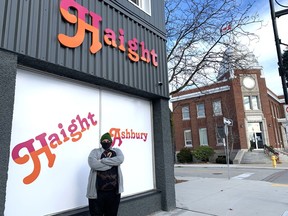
[{"x": 71, "y": 71}]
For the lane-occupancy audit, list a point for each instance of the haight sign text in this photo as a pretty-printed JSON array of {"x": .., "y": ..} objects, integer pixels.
[
  {"x": 29, "y": 150},
  {"x": 110, "y": 37}
]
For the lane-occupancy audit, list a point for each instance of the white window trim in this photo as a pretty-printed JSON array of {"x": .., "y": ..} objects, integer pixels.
[
  {"x": 214, "y": 110},
  {"x": 222, "y": 140},
  {"x": 202, "y": 129},
  {"x": 250, "y": 100},
  {"x": 183, "y": 117},
  {"x": 257, "y": 102},
  {"x": 202, "y": 116},
  {"x": 144, "y": 5},
  {"x": 185, "y": 140}
]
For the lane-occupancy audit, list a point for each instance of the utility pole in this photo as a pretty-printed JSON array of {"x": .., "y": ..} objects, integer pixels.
[{"x": 282, "y": 73}]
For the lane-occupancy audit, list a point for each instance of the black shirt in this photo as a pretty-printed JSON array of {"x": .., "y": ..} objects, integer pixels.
[{"x": 107, "y": 180}]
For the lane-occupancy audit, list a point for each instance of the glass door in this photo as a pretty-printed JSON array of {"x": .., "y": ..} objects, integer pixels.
[{"x": 255, "y": 135}]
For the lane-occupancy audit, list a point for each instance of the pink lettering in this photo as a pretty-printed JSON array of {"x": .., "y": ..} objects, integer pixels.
[{"x": 56, "y": 139}]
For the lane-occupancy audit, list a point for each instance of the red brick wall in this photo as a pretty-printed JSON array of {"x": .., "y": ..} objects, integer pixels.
[{"x": 232, "y": 107}]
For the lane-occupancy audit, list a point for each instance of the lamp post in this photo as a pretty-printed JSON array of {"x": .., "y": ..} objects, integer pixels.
[{"x": 282, "y": 74}]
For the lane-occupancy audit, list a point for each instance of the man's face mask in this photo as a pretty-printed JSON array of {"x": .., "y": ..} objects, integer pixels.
[{"x": 106, "y": 145}]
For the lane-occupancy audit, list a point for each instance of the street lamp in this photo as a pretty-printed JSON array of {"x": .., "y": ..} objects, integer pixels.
[
  {"x": 281, "y": 13},
  {"x": 277, "y": 43}
]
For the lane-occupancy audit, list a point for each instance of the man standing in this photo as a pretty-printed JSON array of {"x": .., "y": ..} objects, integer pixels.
[{"x": 105, "y": 182}]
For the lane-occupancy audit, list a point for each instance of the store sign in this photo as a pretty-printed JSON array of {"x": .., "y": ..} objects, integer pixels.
[
  {"x": 114, "y": 39},
  {"x": 120, "y": 135},
  {"x": 56, "y": 124},
  {"x": 49, "y": 142}
]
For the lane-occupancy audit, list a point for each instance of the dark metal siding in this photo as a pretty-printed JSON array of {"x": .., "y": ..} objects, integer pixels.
[
  {"x": 157, "y": 18},
  {"x": 31, "y": 27}
]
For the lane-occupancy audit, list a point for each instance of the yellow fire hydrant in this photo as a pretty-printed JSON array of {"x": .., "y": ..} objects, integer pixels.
[{"x": 273, "y": 158}]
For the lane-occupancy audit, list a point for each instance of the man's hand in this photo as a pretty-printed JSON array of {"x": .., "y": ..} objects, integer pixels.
[{"x": 108, "y": 154}]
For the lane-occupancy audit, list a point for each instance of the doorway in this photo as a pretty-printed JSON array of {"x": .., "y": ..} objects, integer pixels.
[{"x": 255, "y": 134}]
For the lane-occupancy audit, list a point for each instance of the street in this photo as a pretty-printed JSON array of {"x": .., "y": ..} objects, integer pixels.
[
  {"x": 245, "y": 173},
  {"x": 206, "y": 190}
]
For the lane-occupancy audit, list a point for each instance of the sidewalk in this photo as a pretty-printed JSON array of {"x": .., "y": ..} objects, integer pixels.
[
  {"x": 222, "y": 197},
  {"x": 283, "y": 165}
]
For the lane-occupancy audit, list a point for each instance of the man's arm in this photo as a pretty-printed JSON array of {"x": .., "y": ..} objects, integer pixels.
[
  {"x": 114, "y": 161},
  {"x": 96, "y": 163}
]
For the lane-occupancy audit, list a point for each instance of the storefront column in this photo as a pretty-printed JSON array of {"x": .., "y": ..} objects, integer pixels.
[
  {"x": 163, "y": 150},
  {"x": 8, "y": 68}
]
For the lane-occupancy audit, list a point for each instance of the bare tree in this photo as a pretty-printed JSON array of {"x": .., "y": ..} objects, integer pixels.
[{"x": 200, "y": 33}]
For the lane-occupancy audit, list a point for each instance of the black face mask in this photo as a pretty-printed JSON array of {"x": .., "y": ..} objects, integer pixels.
[{"x": 106, "y": 145}]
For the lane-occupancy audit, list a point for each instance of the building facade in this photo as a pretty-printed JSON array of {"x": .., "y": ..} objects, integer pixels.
[
  {"x": 70, "y": 71},
  {"x": 241, "y": 96}
]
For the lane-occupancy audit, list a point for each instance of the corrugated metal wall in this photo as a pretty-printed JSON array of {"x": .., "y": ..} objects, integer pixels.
[{"x": 31, "y": 27}]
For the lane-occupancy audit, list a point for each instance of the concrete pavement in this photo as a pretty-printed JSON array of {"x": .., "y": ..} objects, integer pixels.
[{"x": 235, "y": 197}]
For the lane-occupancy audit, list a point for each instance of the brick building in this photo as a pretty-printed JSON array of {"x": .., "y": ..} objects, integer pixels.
[{"x": 240, "y": 95}]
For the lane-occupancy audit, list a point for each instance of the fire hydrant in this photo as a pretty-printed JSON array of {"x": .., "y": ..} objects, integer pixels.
[{"x": 273, "y": 158}]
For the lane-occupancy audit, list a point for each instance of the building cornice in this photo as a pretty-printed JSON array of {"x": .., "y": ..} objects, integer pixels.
[
  {"x": 271, "y": 94},
  {"x": 200, "y": 93}
]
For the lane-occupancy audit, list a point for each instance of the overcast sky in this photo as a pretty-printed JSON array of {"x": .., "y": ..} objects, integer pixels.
[{"x": 265, "y": 48}]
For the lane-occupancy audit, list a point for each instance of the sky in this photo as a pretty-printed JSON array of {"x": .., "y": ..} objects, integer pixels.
[{"x": 265, "y": 49}]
